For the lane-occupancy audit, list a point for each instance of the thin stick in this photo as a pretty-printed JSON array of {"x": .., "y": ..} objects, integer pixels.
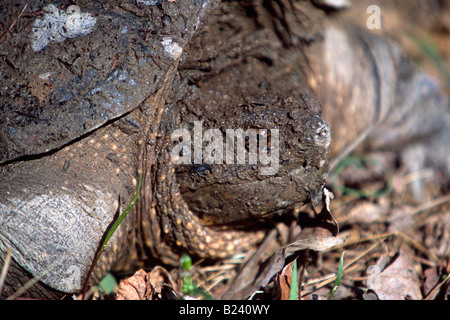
[
  {"x": 433, "y": 292},
  {"x": 36, "y": 278},
  {"x": 400, "y": 234},
  {"x": 5, "y": 268},
  {"x": 431, "y": 204},
  {"x": 14, "y": 23},
  {"x": 330, "y": 278}
]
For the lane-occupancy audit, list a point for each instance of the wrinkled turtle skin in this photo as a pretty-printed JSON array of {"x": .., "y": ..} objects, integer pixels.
[{"x": 92, "y": 94}]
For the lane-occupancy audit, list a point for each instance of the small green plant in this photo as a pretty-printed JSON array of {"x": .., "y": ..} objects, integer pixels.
[
  {"x": 339, "y": 276},
  {"x": 108, "y": 284},
  {"x": 361, "y": 163},
  {"x": 109, "y": 235},
  {"x": 188, "y": 285},
  {"x": 293, "y": 293}
]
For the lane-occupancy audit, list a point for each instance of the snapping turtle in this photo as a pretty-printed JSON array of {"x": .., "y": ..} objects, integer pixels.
[{"x": 99, "y": 94}]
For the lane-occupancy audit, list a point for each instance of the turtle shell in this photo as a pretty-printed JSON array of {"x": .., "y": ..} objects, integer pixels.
[{"x": 68, "y": 69}]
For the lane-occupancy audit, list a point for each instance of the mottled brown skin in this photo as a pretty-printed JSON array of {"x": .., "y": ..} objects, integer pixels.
[{"x": 215, "y": 212}]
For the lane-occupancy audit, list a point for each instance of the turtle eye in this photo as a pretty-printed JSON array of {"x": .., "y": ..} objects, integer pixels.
[{"x": 200, "y": 168}]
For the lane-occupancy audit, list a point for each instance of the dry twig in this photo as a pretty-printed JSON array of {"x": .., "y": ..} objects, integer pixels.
[{"x": 14, "y": 23}]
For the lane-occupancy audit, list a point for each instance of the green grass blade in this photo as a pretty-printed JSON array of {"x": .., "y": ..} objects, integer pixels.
[
  {"x": 360, "y": 163},
  {"x": 120, "y": 218},
  {"x": 293, "y": 293},
  {"x": 110, "y": 233},
  {"x": 339, "y": 276}
]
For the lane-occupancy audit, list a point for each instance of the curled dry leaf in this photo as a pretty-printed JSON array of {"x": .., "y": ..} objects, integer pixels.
[
  {"x": 322, "y": 206},
  {"x": 160, "y": 285},
  {"x": 315, "y": 244},
  {"x": 133, "y": 288},
  {"x": 284, "y": 281},
  {"x": 154, "y": 285}
]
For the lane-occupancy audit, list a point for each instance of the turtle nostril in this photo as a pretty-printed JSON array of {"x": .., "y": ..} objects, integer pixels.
[{"x": 323, "y": 134}]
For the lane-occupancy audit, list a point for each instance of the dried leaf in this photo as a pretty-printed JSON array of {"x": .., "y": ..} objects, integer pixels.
[
  {"x": 160, "y": 284},
  {"x": 397, "y": 281},
  {"x": 156, "y": 284},
  {"x": 284, "y": 281},
  {"x": 315, "y": 244},
  {"x": 325, "y": 215},
  {"x": 365, "y": 212},
  {"x": 133, "y": 288}
]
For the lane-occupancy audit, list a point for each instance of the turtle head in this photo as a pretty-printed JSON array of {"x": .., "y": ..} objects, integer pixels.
[{"x": 263, "y": 160}]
